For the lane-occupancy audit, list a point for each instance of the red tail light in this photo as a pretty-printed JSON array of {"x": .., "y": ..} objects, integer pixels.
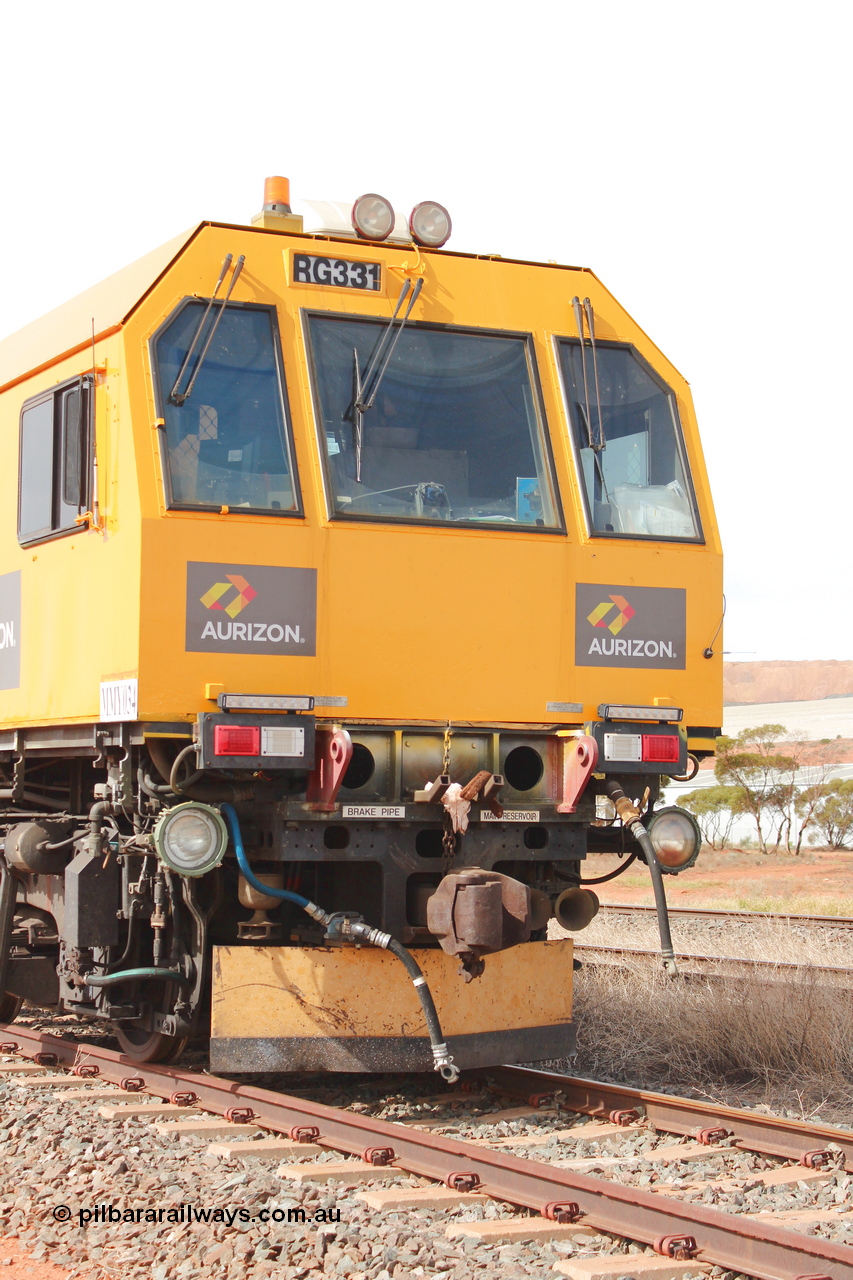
[
  {"x": 236, "y": 740},
  {"x": 661, "y": 748}
]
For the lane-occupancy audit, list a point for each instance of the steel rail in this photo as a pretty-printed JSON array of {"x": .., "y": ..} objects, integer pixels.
[
  {"x": 733, "y": 1241},
  {"x": 707, "y": 913},
  {"x": 765, "y": 966},
  {"x": 769, "y": 1135}
]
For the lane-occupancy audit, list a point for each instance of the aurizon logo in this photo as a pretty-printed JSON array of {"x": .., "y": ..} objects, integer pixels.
[
  {"x": 623, "y": 648},
  {"x": 625, "y": 614},
  {"x": 245, "y": 594},
  {"x": 257, "y": 632}
]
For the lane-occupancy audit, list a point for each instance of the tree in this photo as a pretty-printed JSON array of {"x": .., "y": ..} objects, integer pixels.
[
  {"x": 716, "y": 809},
  {"x": 753, "y": 762},
  {"x": 833, "y": 814}
]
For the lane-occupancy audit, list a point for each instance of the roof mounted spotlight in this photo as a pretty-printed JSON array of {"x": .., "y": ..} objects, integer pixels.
[
  {"x": 429, "y": 224},
  {"x": 373, "y": 217}
]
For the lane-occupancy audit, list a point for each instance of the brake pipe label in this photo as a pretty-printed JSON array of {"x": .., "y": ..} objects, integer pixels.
[{"x": 373, "y": 811}]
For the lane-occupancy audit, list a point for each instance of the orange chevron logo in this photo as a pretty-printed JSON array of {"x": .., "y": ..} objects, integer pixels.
[
  {"x": 245, "y": 595},
  {"x": 600, "y": 612}
]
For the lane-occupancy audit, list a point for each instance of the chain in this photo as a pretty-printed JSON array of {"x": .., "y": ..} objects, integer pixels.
[{"x": 448, "y": 839}]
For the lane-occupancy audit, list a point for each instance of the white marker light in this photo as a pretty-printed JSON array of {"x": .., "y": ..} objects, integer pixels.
[
  {"x": 373, "y": 217},
  {"x": 430, "y": 225},
  {"x": 191, "y": 838},
  {"x": 676, "y": 837}
]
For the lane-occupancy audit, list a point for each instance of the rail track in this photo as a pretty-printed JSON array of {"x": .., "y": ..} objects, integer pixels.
[
  {"x": 563, "y": 1196},
  {"x": 705, "y": 913},
  {"x": 716, "y": 966}
]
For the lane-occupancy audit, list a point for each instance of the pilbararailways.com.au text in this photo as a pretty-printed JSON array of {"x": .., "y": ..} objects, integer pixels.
[{"x": 104, "y": 1214}]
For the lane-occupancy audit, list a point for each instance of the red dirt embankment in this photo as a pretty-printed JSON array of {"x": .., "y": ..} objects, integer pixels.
[{"x": 745, "y": 682}]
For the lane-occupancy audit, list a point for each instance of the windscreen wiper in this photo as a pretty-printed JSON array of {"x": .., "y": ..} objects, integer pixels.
[
  {"x": 590, "y": 324},
  {"x": 580, "y": 312},
  {"x": 367, "y": 387},
  {"x": 179, "y": 397}
]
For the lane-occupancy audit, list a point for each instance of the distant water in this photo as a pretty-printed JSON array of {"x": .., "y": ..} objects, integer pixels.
[{"x": 822, "y": 718}]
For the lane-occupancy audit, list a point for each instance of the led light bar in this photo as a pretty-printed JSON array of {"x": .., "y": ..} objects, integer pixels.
[
  {"x": 610, "y": 711},
  {"x": 264, "y": 702}
]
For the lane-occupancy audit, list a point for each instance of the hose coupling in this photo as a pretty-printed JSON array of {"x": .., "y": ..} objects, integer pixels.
[
  {"x": 317, "y": 913},
  {"x": 354, "y": 927},
  {"x": 339, "y": 925},
  {"x": 444, "y": 1064}
]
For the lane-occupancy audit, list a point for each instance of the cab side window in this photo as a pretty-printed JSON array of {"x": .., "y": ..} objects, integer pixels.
[{"x": 55, "y": 460}]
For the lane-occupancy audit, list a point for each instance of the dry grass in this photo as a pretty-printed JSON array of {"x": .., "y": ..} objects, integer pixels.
[{"x": 788, "y": 1045}]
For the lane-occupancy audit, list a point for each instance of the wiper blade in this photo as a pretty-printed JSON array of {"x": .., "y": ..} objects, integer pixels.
[
  {"x": 590, "y": 324},
  {"x": 367, "y": 387},
  {"x": 179, "y": 397},
  {"x": 578, "y": 310}
]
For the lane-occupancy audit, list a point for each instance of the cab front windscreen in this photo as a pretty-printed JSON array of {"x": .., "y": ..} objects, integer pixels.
[
  {"x": 453, "y": 434},
  {"x": 629, "y": 444}
]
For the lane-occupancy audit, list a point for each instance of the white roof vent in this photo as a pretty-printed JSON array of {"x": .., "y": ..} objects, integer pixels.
[{"x": 333, "y": 218}]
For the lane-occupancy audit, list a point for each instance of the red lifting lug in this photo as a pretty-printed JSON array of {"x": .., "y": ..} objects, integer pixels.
[
  {"x": 132, "y": 1084},
  {"x": 46, "y": 1060},
  {"x": 239, "y": 1115},
  {"x": 333, "y": 752},
  {"x": 9, "y": 1046},
  {"x": 580, "y": 756},
  {"x": 815, "y": 1159},
  {"x": 378, "y": 1155},
  {"x": 462, "y": 1181},
  {"x": 624, "y": 1117},
  {"x": 681, "y": 1248},
  {"x": 183, "y": 1099},
  {"x": 709, "y": 1136},
  {"x": 561, "y": 1211},
  {"x": 87, "y": 1070},
  {"x": 303, "y": 1134}
]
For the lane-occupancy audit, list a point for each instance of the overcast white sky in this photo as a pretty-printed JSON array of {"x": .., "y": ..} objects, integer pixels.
[{"x": 696, "y": 157}]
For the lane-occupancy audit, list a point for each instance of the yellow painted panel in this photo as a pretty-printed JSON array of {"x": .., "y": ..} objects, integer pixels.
[
  {"x": 413, "y": 623},
  {"x": 311, "y": 991}
]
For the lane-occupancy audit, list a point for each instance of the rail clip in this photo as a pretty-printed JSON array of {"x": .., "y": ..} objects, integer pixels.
[
  {"x": 132, "y": 1084},
  {"x": 183, "y": 1099},
  {"x": 303, "y": 1134},
  {"x": 46, "y": 1059},
  {"x": 462, "y": 1181},
  {"x": 239, "y": 1115},
  {"x": 708, "y": 1137},
  {"x": 378, "y": 1155},
  {"x": 682, "y": 1248},
  {"x": 624, "y": 1117},
  {"x": 815, "y": 1159},
  {"x": 87, "y": 1071},
  {"x": 561, "y": 1211}
]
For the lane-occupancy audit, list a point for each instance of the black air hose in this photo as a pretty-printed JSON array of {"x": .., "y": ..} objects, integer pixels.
[{"x": 631, "y": 819}]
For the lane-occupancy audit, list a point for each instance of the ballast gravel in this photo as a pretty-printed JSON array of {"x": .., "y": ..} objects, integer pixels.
[{"x": 56, "y": 1154}]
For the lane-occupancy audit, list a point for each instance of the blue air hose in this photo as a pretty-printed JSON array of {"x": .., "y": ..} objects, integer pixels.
[
  {"x": 230, "y": 816},
  {"x": 359, "y": 932}
]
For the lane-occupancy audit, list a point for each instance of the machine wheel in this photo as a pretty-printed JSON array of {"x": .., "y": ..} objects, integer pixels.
[
  {"x": 149, "y": 1046},
  {"x": 10, "y": 1007}
]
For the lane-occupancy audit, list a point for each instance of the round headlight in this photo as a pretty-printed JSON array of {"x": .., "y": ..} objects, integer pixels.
[
  {"x": 677, "y": 839},
  {"x": 373, "y": 217},
  {"x": 429, "y": 224},
  {"x": 191, "y": 838}
]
